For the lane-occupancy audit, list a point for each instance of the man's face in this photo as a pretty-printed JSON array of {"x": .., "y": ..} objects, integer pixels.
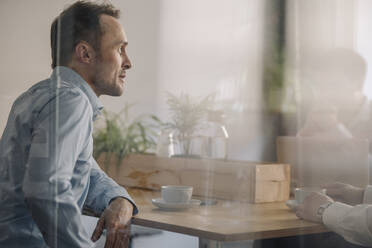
[{"x": 111, "y": 62}]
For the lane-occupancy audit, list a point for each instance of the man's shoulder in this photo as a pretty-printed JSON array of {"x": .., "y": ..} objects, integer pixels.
[
  {"x": 49, "y": 88},
  {"x": 51, "y": 85},
  {"x": 52, "y": 92}
]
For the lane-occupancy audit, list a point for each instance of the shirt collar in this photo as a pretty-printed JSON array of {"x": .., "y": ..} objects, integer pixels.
[{"x": 68, "y": 75}]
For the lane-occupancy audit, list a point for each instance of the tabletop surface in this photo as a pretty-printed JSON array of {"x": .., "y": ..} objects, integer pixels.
[{"x": 225, "y": 221}]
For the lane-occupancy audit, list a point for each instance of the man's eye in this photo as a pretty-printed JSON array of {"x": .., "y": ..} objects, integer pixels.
[{"x": 120, "y": 50}]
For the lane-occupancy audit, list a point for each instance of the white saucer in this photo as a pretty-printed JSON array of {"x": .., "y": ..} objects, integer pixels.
[
  {"x": 159, "y": 202},
  {"x": 292, "y": 204}
]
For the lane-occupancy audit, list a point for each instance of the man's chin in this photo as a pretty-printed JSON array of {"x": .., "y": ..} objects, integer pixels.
[{"x": 118, "y": 91}]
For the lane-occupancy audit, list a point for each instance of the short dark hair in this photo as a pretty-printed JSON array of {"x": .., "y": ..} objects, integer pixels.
[{"x": 79, "y": 22}]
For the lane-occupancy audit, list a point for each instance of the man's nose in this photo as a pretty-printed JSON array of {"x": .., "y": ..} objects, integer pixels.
[{"x": 126, "y": 62}]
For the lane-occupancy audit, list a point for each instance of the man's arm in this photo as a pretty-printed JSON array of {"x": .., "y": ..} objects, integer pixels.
[
  {"x": 59, "y": 134},
  {"x": 103, "y": 190},
  {"x": 354, "y": 223},
  {"x": 105, "y": 194}
]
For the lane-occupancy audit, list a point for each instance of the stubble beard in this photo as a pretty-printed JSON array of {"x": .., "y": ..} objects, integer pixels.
[{"x": 106, "y": 86}]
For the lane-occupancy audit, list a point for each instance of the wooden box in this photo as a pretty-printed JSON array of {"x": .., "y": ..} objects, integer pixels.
[{"x": 233, "y": 180}]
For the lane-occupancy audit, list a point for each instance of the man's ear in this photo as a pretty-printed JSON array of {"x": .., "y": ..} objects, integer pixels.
[{"x": 84, "y": 52}]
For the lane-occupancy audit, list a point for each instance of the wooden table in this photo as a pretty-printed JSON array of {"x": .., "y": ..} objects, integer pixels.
[{"x": 226, "y": 221}]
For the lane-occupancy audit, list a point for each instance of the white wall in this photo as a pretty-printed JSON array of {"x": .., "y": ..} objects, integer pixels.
[
  {"x": 313, "y": 27},
  {"x": 364, "y": 39},
  {"x": 215, "y": 46},
  {"x": 24, "y": 47}
]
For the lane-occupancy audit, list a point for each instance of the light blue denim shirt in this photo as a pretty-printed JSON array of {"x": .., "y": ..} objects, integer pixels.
[{"x": 47, "y": 172}]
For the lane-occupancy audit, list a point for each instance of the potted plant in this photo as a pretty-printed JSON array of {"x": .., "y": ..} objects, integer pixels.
[
  {"x": 121, "y": 136},
  {"x": 188, "y": 117}
]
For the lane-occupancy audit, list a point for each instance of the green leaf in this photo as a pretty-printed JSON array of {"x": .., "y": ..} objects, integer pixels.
[{"x": 120, "y": 136}]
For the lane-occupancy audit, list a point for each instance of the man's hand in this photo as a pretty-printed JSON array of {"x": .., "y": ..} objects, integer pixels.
[
  {"x": 345, "y": 193},
  {"x": 309, "y": 208},
  {"x": 116, "y": 220}
]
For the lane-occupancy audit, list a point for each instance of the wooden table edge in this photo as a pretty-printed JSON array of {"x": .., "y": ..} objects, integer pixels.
[{"x": 317, "y": 228}]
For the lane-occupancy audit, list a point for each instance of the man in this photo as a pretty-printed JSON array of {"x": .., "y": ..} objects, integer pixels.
[{"x": 47, "y": 172}]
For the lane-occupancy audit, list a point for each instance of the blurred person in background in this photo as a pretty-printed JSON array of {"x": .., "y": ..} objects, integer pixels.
[
  {"x": 47, "y": 172},
  {"x": 338, "y": 106},
  {"x": 338, "y": 109},
  {"x": 339, "y": 79}
]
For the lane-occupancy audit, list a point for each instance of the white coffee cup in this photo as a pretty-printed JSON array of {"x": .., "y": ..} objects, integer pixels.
[
  {"x": 302, "y": 193},
  {"x": 176, "y": 193}
]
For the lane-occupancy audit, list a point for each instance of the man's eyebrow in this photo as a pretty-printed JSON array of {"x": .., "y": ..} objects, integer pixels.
[{"x": 119, "y": 42}]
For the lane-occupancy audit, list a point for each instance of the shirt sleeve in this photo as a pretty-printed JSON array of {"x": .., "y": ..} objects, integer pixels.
[
  {"x": 354, "y": 223},
  {"x": 103, "y": 189},
  {"x": 60, "y": 133}
]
